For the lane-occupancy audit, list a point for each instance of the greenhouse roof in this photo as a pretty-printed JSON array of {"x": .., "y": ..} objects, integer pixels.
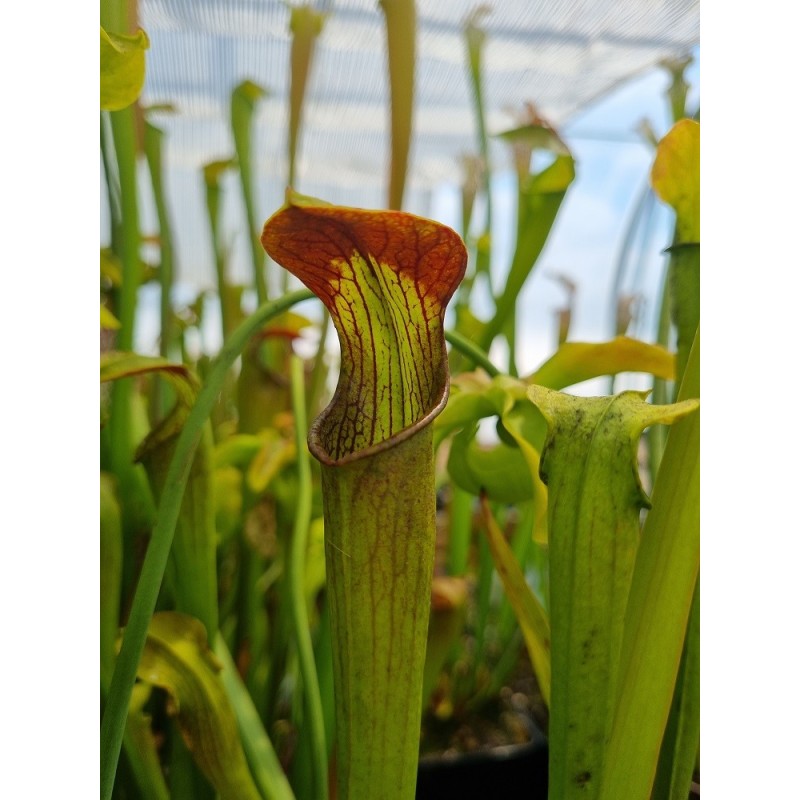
[{"x": 557, "y": 55}]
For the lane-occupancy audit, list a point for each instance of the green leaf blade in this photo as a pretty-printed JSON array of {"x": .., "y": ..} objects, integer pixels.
[
  {"x": 661, "y": 594},
  {"x": 540, "y": 200}
]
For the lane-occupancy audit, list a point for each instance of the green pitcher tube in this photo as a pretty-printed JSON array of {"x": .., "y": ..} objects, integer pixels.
[{"x": 385, "y": 277}]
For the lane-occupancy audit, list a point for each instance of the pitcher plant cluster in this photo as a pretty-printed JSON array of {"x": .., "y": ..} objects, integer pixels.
[{"x": 296, "y": 586}]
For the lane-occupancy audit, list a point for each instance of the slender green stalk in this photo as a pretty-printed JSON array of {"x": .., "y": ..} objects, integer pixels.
[
  {"x": 153, "y": 138},
  {"x": 510, "y": 331},
  {"x": 254, "y": 630},
  {"x": 521, "y": 545},
  {"x": 135, "y": 496},
  {"x": 460, "y": 531},
  {"x": 243, "y": 101},
  {"x": 305, "y": 25},
  {"x": 211, "y": 176},
  {"x": 313, "y": 720},
  {"x": 679, "y": 748},
  {"x": 110, "y": 572},
  {"x": 138, "y": 742},
  {"x": 643, "y": 201},
  {"x": 657, "y": 435},
  {"x": 122, "y": 127},
  {"x": 475, "y": 39},
  {"x": 125, "y": 307},
  {"x": 277, "y": 663},
  {"x": 401, "y": 32},
  {"x": 471, "y": 351},
  {"x": 112, "y": 182},
  {"x": 324, "y": 657},
  {"x": 518, "y": 595},
  {"x": 155, "y": 562},
  {"x": 118, "y": 16}
]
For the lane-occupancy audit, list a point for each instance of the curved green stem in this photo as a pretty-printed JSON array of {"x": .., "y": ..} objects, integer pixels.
[
  {"x": 155, "y": 562},
  {"x": 471, "y": 351},
  {"x": 305, "y": 652},
  {"x": 243, "y": 101}
]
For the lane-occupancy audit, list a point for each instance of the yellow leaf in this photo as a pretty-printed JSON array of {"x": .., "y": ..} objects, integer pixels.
[
  {"x": 575, "y": 362},
  {"x": 121, "y": 69},
  {"x": 676, "y": 177}
]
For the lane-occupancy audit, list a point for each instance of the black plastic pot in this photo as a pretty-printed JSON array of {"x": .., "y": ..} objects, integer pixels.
[{"x": 505, "y": 773}]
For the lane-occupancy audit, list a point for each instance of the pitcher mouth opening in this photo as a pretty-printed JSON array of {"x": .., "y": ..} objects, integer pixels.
[{"x": 318, "y": 450}]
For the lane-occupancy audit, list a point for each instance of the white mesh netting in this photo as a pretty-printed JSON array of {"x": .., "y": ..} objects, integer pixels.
[{"x": 559, "y": 54}]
